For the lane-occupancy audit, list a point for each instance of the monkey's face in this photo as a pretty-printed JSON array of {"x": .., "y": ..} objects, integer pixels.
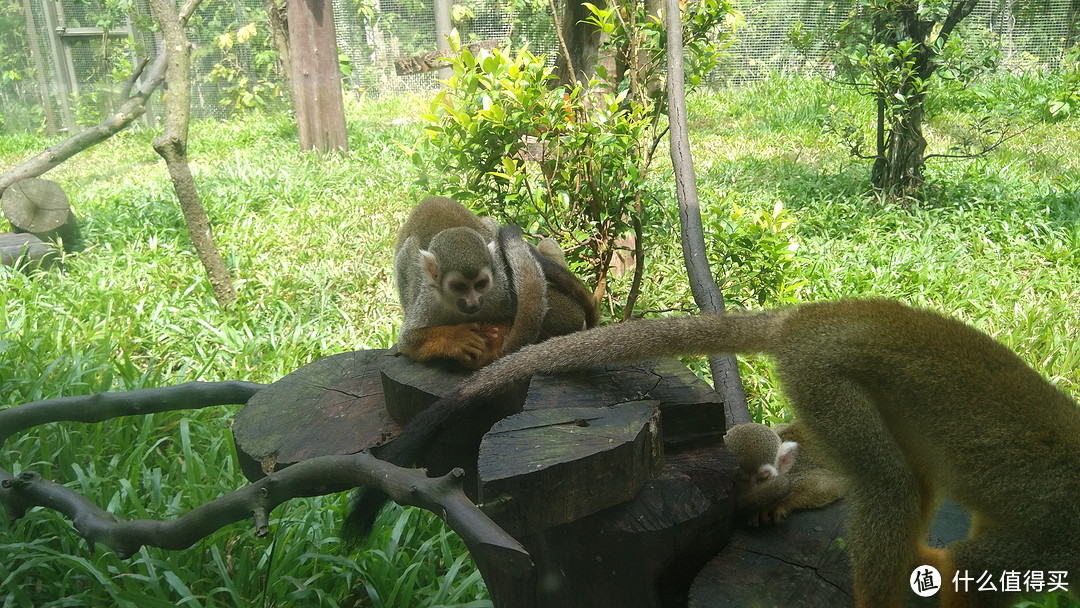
[{"x": 467, "y": 293}]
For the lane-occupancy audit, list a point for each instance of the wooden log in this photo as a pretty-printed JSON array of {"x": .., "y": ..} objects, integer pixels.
[
  {"x": 331, "y": 406},
  {"x": 690, "y": 410},
  {"x": 40, "y": 207},
  {"x": 433, "y": 60},
  {"x": 639, "y": 553},
  {"x": 25, "y": 252},
  {"x": 355, "y": 401},
  {"x": 610, "y": 514},
  {"x": 642, "y": 553},
  {"x": 801, "y": 563},
  {"x": 548, "y": 467}
]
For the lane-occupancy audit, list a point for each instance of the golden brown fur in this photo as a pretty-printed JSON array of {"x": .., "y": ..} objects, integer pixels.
[
  {"x": 472, "y": 292},
  {"x": 780, "y": 471},
  {"x": 908, "y": 404}
]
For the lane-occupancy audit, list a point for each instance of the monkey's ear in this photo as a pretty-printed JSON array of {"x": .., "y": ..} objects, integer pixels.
[
  {"x": 785, "y": 456},
  {"x": 430, "y": 264},
  {"x": 493, "y": 250}
]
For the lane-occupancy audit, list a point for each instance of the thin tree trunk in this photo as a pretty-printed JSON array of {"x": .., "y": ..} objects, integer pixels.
[
  {"x": 582, "y": 43},
  {"x": 279, "y": 28},
  {"x": 725, "y": 369},
  {"x": 172, "y": 144},
  {"x": 903, "y": 175}
]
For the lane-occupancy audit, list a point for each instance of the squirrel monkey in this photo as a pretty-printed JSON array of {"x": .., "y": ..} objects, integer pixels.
[
  {"x": 778, "y": 472},
  {"x": 472, "y": 291},
  {"x": 908, "y": 405}
]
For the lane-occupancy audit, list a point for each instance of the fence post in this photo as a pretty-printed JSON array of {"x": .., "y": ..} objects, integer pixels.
[{"x": 443, "y": 26}]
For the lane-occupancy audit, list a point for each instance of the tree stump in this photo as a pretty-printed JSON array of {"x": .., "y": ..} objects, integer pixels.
[
  {"x": 800, "y": 564},
  {"x": 25, "y": 252},
  {"x": 40, "y": 207},
  {"x": 615, "y": 546},
  {"x": 331, "y": 406},
  {"x": 548, "y": 467},
  {"x": 615, "y": 479}
]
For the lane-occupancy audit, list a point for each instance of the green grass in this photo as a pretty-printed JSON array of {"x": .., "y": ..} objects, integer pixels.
[
  {"x": 996, "y": 243},
  {"x": 310, "y": 244}
]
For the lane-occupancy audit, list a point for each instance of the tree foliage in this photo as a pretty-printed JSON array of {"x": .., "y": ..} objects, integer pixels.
[
  {"x": 892, "y": 49},
  {"x": 567, "y": 160}
]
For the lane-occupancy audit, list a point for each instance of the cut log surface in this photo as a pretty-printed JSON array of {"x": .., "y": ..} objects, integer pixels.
[
  {"x": 40, "y": 207},
  {"x": 690, "y": 409},
  {"x": 549, "y": 467},
  {"x": 25, "y": 251},
  {"x": 331, "y": 406}
]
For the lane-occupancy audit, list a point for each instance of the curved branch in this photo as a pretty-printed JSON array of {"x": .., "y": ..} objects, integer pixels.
[
  {"x": 490, "y": 545},
  {"x": 313, "y": 477},
  {"x": 103, "y": 406},
  {"x": 54, "y": 155}
]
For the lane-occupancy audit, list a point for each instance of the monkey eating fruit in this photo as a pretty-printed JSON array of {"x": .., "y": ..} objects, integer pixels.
[
  {"x": 908, "y": 405},
  {"x": 472, "y": 291}
]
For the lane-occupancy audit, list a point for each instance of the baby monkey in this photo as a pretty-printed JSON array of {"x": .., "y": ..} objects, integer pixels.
[{"x": 779, "y": 472}]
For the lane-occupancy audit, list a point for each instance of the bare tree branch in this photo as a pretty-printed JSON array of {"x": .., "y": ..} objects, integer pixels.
[
  {"x": 136, "y": 71},
  {"x": 131, "y": 109},
  {"x": 491, "y": 546},
  {"x": 103, "y": 406},
  {"x": 725, "y": 369},
  {"x": 313, "y": 477}
]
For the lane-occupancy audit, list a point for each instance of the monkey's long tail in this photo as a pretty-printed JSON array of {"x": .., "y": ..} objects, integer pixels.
[
  {"x": 364, "y": 509},
  {"x": 619, "y": 343},
  {"x": 743, "y": 333},
  {"x": 405, "y": 450}
]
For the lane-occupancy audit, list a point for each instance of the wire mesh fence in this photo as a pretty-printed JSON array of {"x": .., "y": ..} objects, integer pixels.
[{"x": 64, "y": 62}]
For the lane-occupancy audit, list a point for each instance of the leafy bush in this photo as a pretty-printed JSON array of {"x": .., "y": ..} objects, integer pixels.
[
  {"x": 569, "y": 160},
  {"x": 245, "y": 72},
  {"x": 754, "y": 253},
  {"x": 552, "y": 159},
  {"x": 1065, "y": 101}
]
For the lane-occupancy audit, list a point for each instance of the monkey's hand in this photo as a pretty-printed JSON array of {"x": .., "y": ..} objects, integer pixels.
[
  {"x": 474, "y": 345},
  {"x": 816, "y": 488},
  {"x": 493, "y": 335},
  {"x": 771, "y": 517}
]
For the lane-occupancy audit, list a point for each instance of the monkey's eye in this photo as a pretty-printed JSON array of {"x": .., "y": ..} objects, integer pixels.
[
  {"x": 459, "y": 286},
  {"x": 765, "y": 473},
  {"x": 482, "y": 284}
]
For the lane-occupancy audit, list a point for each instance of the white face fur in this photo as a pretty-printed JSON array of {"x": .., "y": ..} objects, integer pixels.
[
  {"x": 785, "y": 458},
  {"x": 461, "y": 288},
  {"x": 466, "y": 294}
]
